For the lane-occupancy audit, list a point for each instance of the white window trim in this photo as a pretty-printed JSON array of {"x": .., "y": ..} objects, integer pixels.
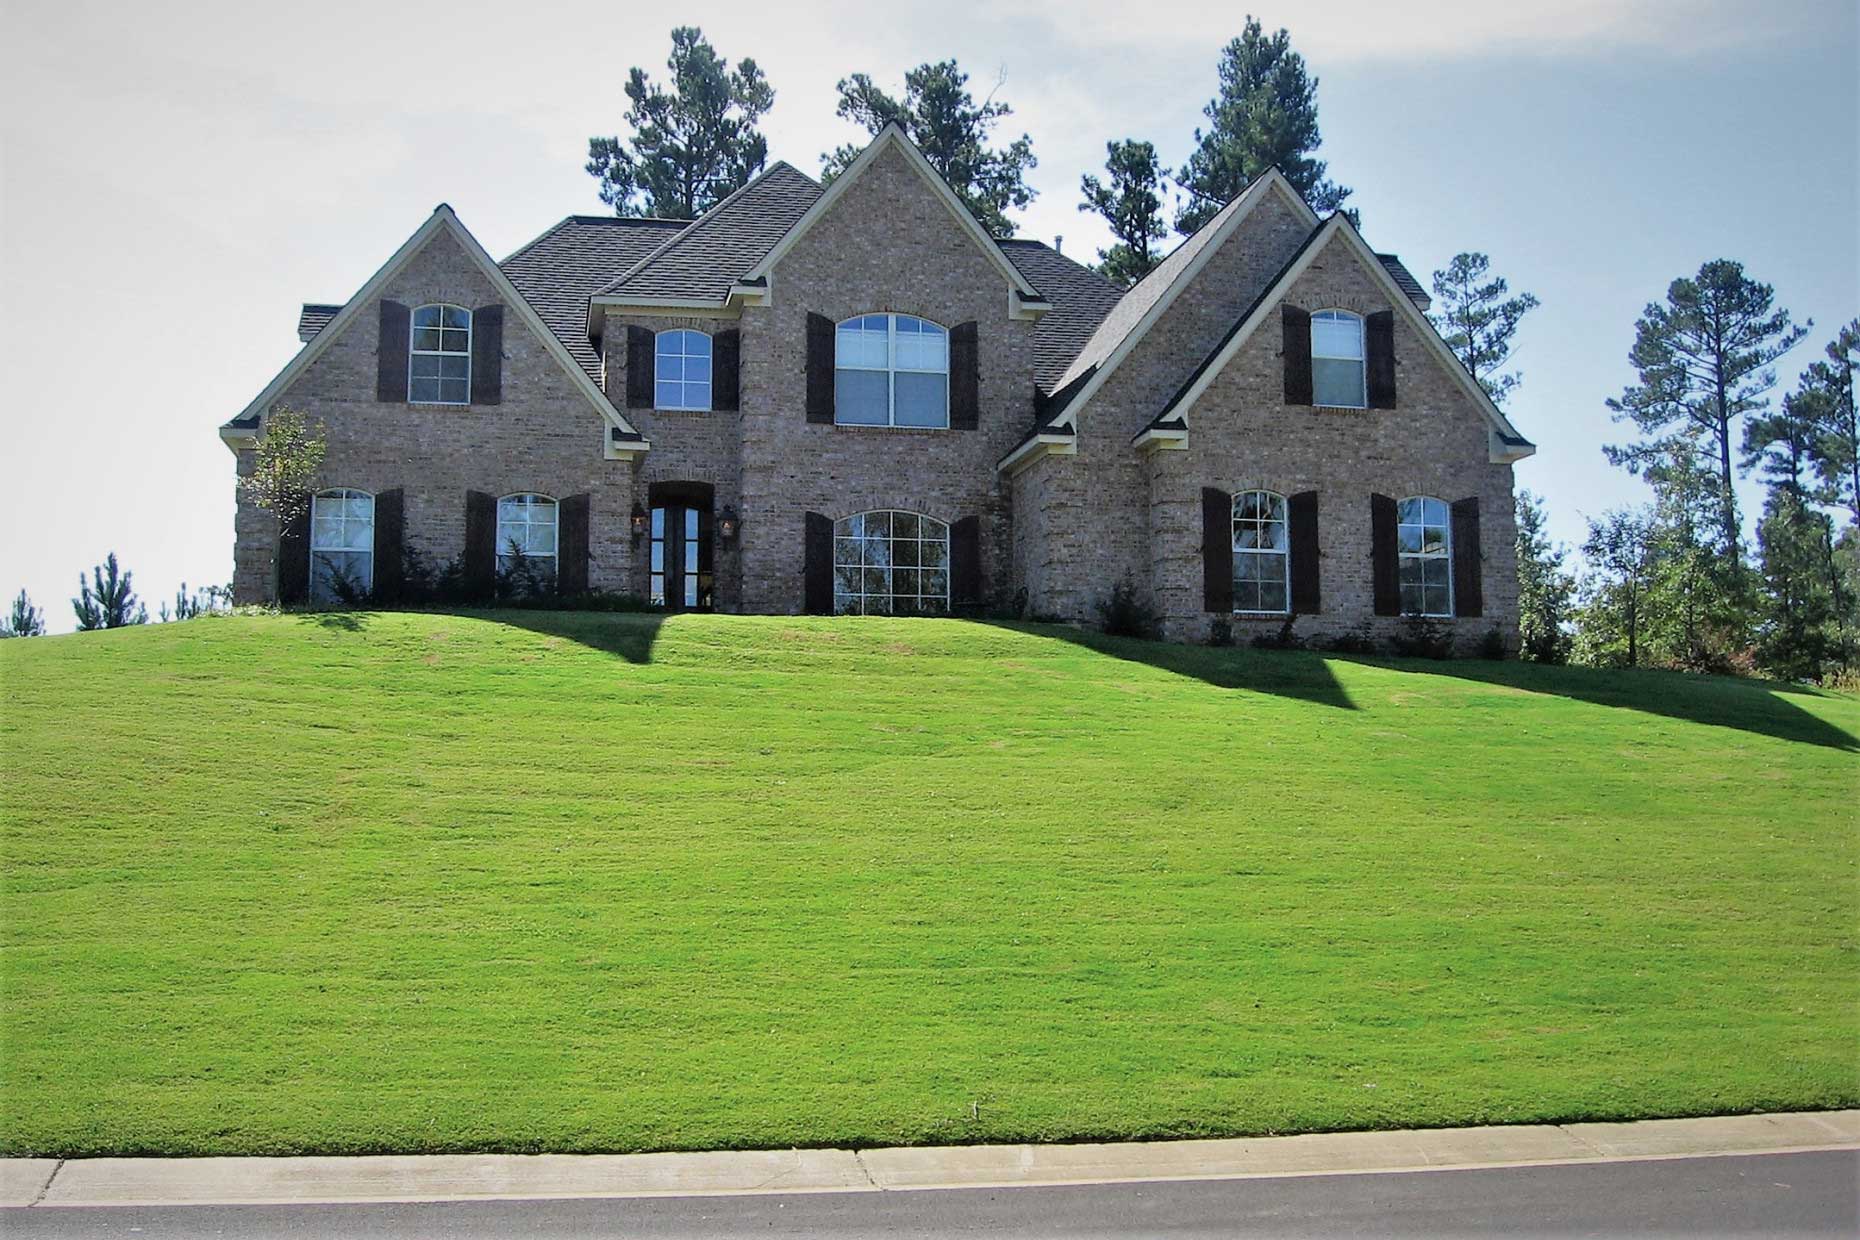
[
  {"x": 344, "y": 494},
  {"x": 412, "y": 352},
  {"x": 891, "y": 371},
  {"x": 948, "y": 567},
  {"x": 1284, "y": 553},
  {"x": 1445, "y": 553},
  {"x": 555, "y": 508},
  {"x": 1361, "y": 360},
  {"x": 710, "y": 374}
]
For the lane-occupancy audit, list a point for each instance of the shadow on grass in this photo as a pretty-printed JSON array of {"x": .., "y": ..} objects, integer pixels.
[
  {"x": 1748, "y": 705},
  {"x": 341, "y": 621},
  {"x": 1301, "y": 674},
  {"x": 630, "y": 635}
]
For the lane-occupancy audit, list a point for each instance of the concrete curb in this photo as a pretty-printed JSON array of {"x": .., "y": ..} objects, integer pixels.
[{"x": 473, "y": 1177}]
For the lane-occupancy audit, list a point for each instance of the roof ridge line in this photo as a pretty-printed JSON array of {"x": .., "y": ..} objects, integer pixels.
[{"x": 672, "y": 241}]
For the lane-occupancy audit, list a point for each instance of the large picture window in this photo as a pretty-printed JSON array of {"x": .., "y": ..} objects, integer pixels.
[
  {"x": 1261, "y": 553},
  {"x": 1337, "y": 372},
  {"x": 342, "y": 544},
  {"x": 891, "y": 370},
  {"x": 681, "y": 369},
  {"x": 439, "y": 363},
  {"x": 1423, "y": 544},
  {"x": 527, "y": 523},
  {"x": 890, "y": 563}
]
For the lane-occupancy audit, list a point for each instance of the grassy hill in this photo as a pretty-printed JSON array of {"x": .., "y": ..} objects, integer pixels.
[{"x": 566, "y": 882}]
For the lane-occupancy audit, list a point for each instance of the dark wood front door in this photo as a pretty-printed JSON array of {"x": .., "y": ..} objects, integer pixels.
[{"x": 681, "y": 578}]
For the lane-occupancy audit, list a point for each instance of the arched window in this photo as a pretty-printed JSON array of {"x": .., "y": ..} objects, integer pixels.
[
  {"x": 1424, "y": 547},
  {"x": 439, "y": 363},
  {"x": 342, "y": 545},
  {"x": 1262, "y": 577},
  {"x": 1337, "y": 372},
  {"x": 891, "y": 370},
  {"x": 890, "y": 563},
  {"x": 681, "y": 370},
  {"x": 526, "y": 523}
]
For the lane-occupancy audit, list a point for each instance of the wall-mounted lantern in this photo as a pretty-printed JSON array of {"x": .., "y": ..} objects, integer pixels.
[
  {"x": 639, "y": 523},
  {"x": 727, "y": 524}
]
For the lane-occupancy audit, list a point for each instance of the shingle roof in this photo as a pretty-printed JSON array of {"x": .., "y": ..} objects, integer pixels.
[
  {"x": 559, "y": 270},
  {"x": 1080, "y": 296},
  {"x": 313, "y": 318},
  {"x": 1405, "y": 279},
  {"x": 729, "y": 240}
]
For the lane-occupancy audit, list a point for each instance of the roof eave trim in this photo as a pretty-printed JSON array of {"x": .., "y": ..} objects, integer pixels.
[
  {"x": 1161, "y": 439},
  {"x": 1041, "y": 443},
  {"x": 893, "y": 135}
]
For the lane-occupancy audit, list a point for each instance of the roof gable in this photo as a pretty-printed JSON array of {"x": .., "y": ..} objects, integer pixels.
[
  {"x": 1027, "y": 299},
  {"x": 566, "y": 265},
  {"x": 1081, "y": 299},
  {"x": 1507, "y": 444},
  {"x": 442, "y": 221},
  {"x": 1146, "y": 301}
]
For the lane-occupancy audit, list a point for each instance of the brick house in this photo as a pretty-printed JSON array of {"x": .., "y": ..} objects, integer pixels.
[{"x": 852, "y": 399}]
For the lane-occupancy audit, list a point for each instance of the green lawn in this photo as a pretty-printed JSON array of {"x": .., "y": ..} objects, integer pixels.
[{"x": 570, "y": 882}]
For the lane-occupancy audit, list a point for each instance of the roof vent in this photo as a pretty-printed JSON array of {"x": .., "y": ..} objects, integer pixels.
[{"x": 1059, "y": 244}]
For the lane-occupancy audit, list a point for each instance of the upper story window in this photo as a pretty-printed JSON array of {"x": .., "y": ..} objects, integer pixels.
[
  {"x": 1423, "y": 544},
  {"x": 890, "y": 563},
  {"x": 1337, "y": 371},
  {"x": 439, "y": 363},
  {"x": 891, "y": 370},
  {"x": 342, "y": 545},
  {"x": 527, "y": 523},
  {"x": 681, "y": 370},
  {"x": 1262, "y": 574}
]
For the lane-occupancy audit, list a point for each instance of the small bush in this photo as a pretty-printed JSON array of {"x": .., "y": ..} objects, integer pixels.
[
  {"x": 1421, "y": 638},
  {"x": 1357, "y": 641},
  {"x": 1284, "y": 639},
  {"x": 1492, "y": 645},
  {"x": 1220, "y": 632},
  {"x": 1125, "y": 614}
]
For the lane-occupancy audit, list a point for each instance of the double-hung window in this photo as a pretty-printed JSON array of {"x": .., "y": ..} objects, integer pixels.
[
  {"x": 1424, "y": 550},
  {"x": 1337, "y": 373},
  {"x": 681, "y": 370},
  {"x": 891, "y": 370},
  {"x": 527, "y": 524},
  {"x": 439, "y": 363},
  {"x": 342, "y": 545},
  {"x": 1262, "y": 578}
]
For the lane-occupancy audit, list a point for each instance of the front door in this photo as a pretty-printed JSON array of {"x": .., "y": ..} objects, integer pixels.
[{"x": 681, "y": 557}]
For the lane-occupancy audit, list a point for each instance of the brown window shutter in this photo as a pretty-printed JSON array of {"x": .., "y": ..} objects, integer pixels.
[
  {"x": 390, "y": 537},
  {"x": 294, "y": 558},
  {"x": 1384, "y": 569},
  {"x": 480, "y": 545},
  {"x": 640, "y": 362},
  {"x": 1468, "y": 576},
  {"x": 487, "y": 355},
  {"x": 571, "y": 564},
  {"x": 965, "y": 377},
  {"x": 820, "y": 333},
  {"x": 391, "y": 352},
  {"x": 726, "y": 362},
  {"x": 1379, "y": 348},
  {"x": 1296, "y": 325},
  {"x": 817, "y": 565},
  {"x": 1302, "y": 515},
  {"x": 965, "y": 563},
  {"x": 1217, "y": 550}
]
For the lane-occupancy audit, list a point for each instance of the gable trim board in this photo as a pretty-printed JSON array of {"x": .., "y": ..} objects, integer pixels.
[
  {"x": 243, "y": 431},
  {"x": 1242, "y": 207},
  {"x": 1024, "y": 301},
  {"x": 1506, "y": 445},
  {"x": 1042, "y": 442}
]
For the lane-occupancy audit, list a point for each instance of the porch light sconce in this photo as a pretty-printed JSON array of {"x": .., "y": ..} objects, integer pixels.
[
  {"x": 639, "y": 522},
  {"x": 727, "y": 524}
]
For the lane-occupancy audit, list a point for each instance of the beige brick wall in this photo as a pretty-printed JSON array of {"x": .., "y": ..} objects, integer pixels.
[{"x": 545, "y": 436}]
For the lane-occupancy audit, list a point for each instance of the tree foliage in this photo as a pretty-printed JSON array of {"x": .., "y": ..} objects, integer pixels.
[
  {"x": 692, "y": 145},
  {"x": 953, "y": 131},
  {"x": 1545, "y": 589},
  {"x": 1477, "y": 316},
  {"x": 23, "y": 620},
  {"x": 285, "y": 465},
  {"x": 1800, "y": 630},
  {"x": 1825, "y": 403},
  {"x": 1704, "y": 358},
  {"x": 1264, "y": 117},
  {"x": 1133, "y": 208},
  {"x": 108, "y": 600}
]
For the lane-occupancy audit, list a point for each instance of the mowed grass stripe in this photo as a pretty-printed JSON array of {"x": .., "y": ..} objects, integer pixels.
[{"x": 531, "y": 881}]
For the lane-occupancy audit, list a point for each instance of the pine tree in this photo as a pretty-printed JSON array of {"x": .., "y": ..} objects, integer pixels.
[
  {"x": 1264, "y": 117},
  {"x": 1828, "y": 403},
  {"x": 1132, "y": 207},
  {"x": 107, "y": 601},
  {"x": 1477, "y": 318},
  {"x": 1545, "y": 590},
  {"x": 1798, "y": 631},
  {"x": 1703, "y": 359},
  {"x": 1620, "y": 550},
  {"x": 693, "y": 145},
  {"x": 941, "y": 117},
  {"x": 25, "y": 619}
]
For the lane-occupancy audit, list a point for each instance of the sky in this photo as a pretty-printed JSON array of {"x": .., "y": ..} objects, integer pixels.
[{"x": 176, "y": 179}]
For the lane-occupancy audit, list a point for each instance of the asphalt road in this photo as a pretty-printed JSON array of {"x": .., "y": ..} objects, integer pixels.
[{"x": 1752, "y": 1195}]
